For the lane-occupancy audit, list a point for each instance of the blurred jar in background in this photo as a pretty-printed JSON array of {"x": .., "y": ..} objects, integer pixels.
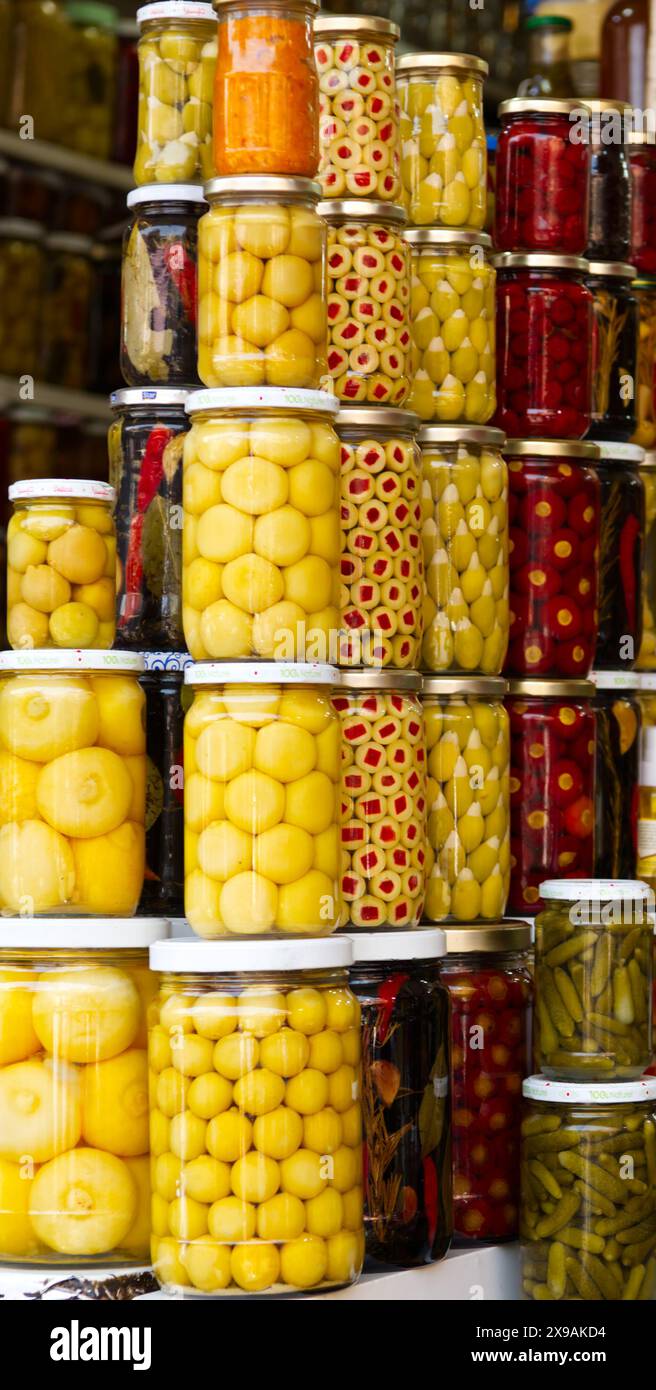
[
  {"x": 127, "y": 92},
  {"x": 624, "y": 52},
  {"x": 91, "y": 77},
  {"x": 32, "y": 192},
  {"x": 40, "y": 40},
  {"x": 66, "y": 311},
  {"x": 21, "y": 286},
  {"x": 105, "y": 319},
  {"x": 548, "y": 71}
]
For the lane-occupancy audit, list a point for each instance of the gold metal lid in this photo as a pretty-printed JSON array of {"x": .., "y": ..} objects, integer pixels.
[
  {"x": 618, "y": 268},
  {"x": 551, "y": 448},
  {"x": 414, "y": 64},
  {"x": 468, "y": 937},
  {"x": 381, "y": 418},
  {"x": 360, "y": 679},
  {"x": 361, "y": 210},
  {"x": 542, "y": 106},
  {"x": 446, "y": 236},
  {"x": 494, "y": 686},
  {"x": 261, "y": 186},
  {"x": 551, "y": 689},
  {"x": 598, "y": 104},
  {"x": 641, "y": 137},
  {"x": 359, "y": 24},
  {"x": 461, "y": 434},
  {"x": 538, "y": 260}
]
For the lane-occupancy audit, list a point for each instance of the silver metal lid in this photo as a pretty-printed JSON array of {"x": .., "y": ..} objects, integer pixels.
[
  {"x": 551, "y": 689},
  {"x": 262, "y": 186},
  {"x": 359, "y": 25},
  {"x": 380, "y": 418},
  {"x": 494, "y": 686},
  {"x": 359, "y": 679},
  {"x": 366, "y": 210},
  {"x": 446, "y": 236},
  {"x": 152, "y": 396},
  {"x": 542, "y": 106},
  {"x": 468, "y": 937},
  {"x": 551, "y": 448},
  {"x": 415, "y": 64},
  {"x": 539, "y": 260},
  {"x": 617, "y": 269},
  {"x": 461, "y": 434}
]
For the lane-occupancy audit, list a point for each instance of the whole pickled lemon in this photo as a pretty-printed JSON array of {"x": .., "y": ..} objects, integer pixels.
[
  {"x": 109, "y": 870},
  {"x": 37, "y": 870},
  {"x": 42, "y": 720},
  {"x": 255, "y": 1266},
  {"x": 18, "y": 1039},
  {"x": 115, "y": 1103},
  {"x": 40, "y": 1110},
  {"x": 83, "y": 1202},
  {"x": 87, "y": 1014},
  {"x": 121, "y": 708},
  {"x": 85, "y": 793},
  {"x": 207, "y": 1263},
  {"x": 79, "y": 555},
  {"x": 137, "y": 1239},
  {"x": 16, "y": 1234},
  {"x": 304, "y": 1262}
]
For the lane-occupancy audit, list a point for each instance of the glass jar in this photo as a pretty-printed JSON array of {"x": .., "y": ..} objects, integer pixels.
[
  {"x": 61, "y": 561},
  {"x": 487, "y": 973},
  {"x": 22, "y": 268},
  {"x": 452, "y": 305},
  {"x": 646, "y": 833},
  {"x": 381, "y": 565},
  {"x": 555, "y": 500},
  {"x": 34, "y": 440},
  {"x": 642, "y": 163},
  {"x": 647, "y": 654},
  {"x": 262, "y": 800},
  {"x": 408, "y": 1217},
  {"x": 645, "y": 431},
  {"x": 86, "y": 208},
  {"x": 368, "y": 267},
  {"x": 32, "y": 192},
  {"x": 358, "y": 108},
  {"x": 609, "y": 222},
  {"x": 468, "y": 798},
  {"x": 616, "y": 346},
  {"x": 621, "y": 535},
  {"x": 545, "y": 328},
  {"x": 162, "y": 683},
  {"x": 41, "y": 36},
  {"x": 73, "y": 769},
  {"x": 552, "y": 767},
  {"x": 383, "y": 798},
  {"x": 177, "y": 59},
  {"x": 617, "y": 711},
  {"x": 74, "y": 1092},
  {"x": 90, "y": 77},
  {"x": 595, "y": 1241},
  {"x": 543, "y": 176},
  {"x": 624, "y": 50},
  {"x": 126, "y": 109},
  {"x": 261, "y": 526},
  {"x": 105, "y": 324},
  {"x": 158, "y": 285},
  {"x": 145, "y": 444},
  {"x": 262, "y": 284},
  {"x": 66, "y": 311},
  {"x": 443, "y": 152},
  {"x": 266, "y": 95},
  {"x": 250, "y": 1194}
]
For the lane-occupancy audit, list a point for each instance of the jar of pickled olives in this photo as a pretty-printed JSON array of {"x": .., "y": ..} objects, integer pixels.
[
  {"x": 369, "y": 348},
  {"x": 381, "y": 566},
  {"x": 66, "y": 310},
  {"x": 358, "y": 110},
  {"x": 609, "y": 222},
  {"x": 162, "y": 683},
  {"x": 261, "y": 526},
  {"x": 266, "y": 95},
  {"x": 465, "y": 542},
  {"x": 383, "y": 798},
  {"x": 487, "y": 974},
  {"x": 622, "y": 529},
  {"x": 468, "y": 798},
  {"x": 22, "y": 271},
  {"x": 72, "y": 783},
  {"x": 74, "y": 1162},
  {"x": 587, "y": 1191},
  {"x": 554, "y": 557},
  {"x": 177, "y": 59},
  {"x": 545, "y": 328},
  {"x": 158, "y": 286},
  {"x": 408, "y": 1218},
  {"x": 443, "y": 151},
  {"x": 250, "y": 1194},
  {"x": 645, "y": 431},
  {"x": 617, "y": 710},
  {"x": 616, "y": 331},
  {"x": 262, "y": 283},
  {"x": 145, "y": 443},
  {"x": 552, "y": 769},
  {"x": 642, "y": 162},
  {"x": 61, "y": 561},
  {"x": 452, "y": 310},
  {"x": 543, "y": 176},
  {"x": 647, "y": 654}
]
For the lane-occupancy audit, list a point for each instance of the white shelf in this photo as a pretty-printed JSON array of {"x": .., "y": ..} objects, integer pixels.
[
  {"x": 68, "y": 406},
  {"x": 63, "y": 161}
]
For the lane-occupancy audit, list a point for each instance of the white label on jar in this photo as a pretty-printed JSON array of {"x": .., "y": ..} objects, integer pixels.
[{"x": 646, "y": 838}]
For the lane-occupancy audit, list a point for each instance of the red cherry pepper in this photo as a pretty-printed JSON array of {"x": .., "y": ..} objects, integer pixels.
[
  {"x": 387, "y": 995},
  {"x": 183, "y": 274},
  {"x": 150, "y": 477}
]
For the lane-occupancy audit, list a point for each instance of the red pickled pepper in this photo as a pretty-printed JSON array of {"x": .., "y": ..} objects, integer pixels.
[
  {"x": 387, "y": 994},
  {"x": 182, "y": 270},
  {"x": 150, "y": 477}
]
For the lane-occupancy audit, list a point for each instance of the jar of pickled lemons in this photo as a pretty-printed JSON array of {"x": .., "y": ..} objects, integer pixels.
[
  {"x": 72, "y": 783},
  {"x": 61, "y": 564},
  {"x": 262, "y": 767},
  {"x": 443, "y": 149},
  {"x": 262, "y": 283},
  {"x": 177, "y": 60},
  {"x": 452, "y": 309},
  {"x": 261, "y": 534},
  {"x": 255, "y": 1122},
  {"x": 74, "y": 1164}
]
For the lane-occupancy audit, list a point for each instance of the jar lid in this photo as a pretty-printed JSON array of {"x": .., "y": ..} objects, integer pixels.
[
  {"x": 495, "y": 686},
  {"x": 551, "y": 689},
  {"x": 358, "y": 678},
  {"x": 415, "y": 64},
  {"x": 73, "y": 659},
  {"x": 542, "y": 106},
  {"x": 22, "y": 228},
  {"x": 462, "y": 434},
  {"x": 262, "y": 398},
  {"x": 361, "y": 210},
  {"x": 551, "y": 448},
  {"x": 87, "y": 490},
  {"x": 166, "y": 661},
  {"x": 446, "y": 236},
  {"x": 539, "y": 260},
  {"x": 416, "y": 944},
  {"x": 70, "y": 241},
  {"x": 548, "y": 21},
  {"x": 262, "y": 185},
  {"x": 92, "y": 12},
  {"x": 81, "y": 933},
  {"x": 355, "y": 24},
  {"x": 589, "y": 1093},
  {"x": 598, "y": 105},
  {"x": 468, "y": 937},
  {"x": 232, "y": 957},
  {"x": 598, "y": 890},
  {"x": 382, "y": 417},
  {"x": 649, "y": 459},
  {"x": 305, "y": 4},
  {"x": 617, "y": 269},
  {"x": 619, "y": 453},
  {"x": 641, "y": 137},
  {"x": 616, "y": 680},
  {"x": 175, "y": 9},
  {"x": 148, "y": 396},
  {"x": 261, "y": 673},
  {"x": 165, "y": 193}
]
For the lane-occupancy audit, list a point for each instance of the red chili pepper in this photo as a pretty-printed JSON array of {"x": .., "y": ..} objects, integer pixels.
[
  {"x": 151, "y": 473},
  {"x": 183, "y": 273},
  {"x": 628, "y": 542},
  {"x": 431, "y": 1197},
  {"x": 387, "y": 996}
]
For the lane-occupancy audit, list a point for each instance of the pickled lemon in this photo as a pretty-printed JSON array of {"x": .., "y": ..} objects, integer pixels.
[
  {"x": 281, "y": 1218},
  {"x": 37, "y": 870},
  {"x": 324, "y": 1214},
  {"x": 303, "y": 1262},
  {"x": 121, "y": 708},
  {"x": 83, "y": 1202},
  {"x": 255, "y": 1177},
  {"x": 109, "y": 870},
  {"x": 18, "y": 1039},
  {"x": 255, "y": 1266},
  {"x": 230, "y": 1219},
  {"x": 229, "y": 1136},
  {"x": 87, "y": 1014},
  {"x": 279, "y": 1133},
  {"x": 115, "y": 1104},
  {"x": 85, "y": 793},
  {"x": 16, "y": 1233},
  {"x": 136, "y": 1240},
  {"x": 40, "y": 1110},
  {"x": 79, "y": 555},
  {"x": 41, "y": 720},
  {"x": 207, "y": 1263},
  {"x": 225, "y": 749}
]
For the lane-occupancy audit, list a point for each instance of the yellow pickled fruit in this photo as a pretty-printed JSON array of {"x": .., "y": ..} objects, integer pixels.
[
  {"x": 465, "y": 361},
  {"x": 209, "y": 1095},
  {"x": 203, "y": 904},
  {"x": 258, "y": 1092},
  {"x": 472, "y": 166},
  {"x": 302, "y": 1174},
  {"x": 121, "y": 707},
  {"x": 37, "y": 870},
  {"x": 435, "y": 361},
  {"x": 479, "y": 402},
  {"x": 99, "y": 596},
  {"x": 16, "y": 1234},
  {"x": 252, "y": 583},
  {"x": 283, "y": 854},
  {"x": 165, "y": 1255},
  {"x": 493, "y": 895},
  {"x": 345, "y": 1256},
  {"x": 279, "y": 1133},
  {"x": 450, "y": 511},
  {"x": 40, "y": 1110},
  {"x": 109, "y": 870},
  {"x": 426, "y": 199},
  {"x": 85, "y": 793},
  {"x": 224, "y": 532},
  {"x": 255, "y": 1266},
  {"x": 207, "y": 1263},
  {"x": 483, "y": 860},
  {"x": 488, "y": 795},
  {"x": 223, "y": 850},
  {"x": 79, "y": 555},
  {"x": 444, "y": 756},
  {"x": 83, "y": 1203},
  {"x": 225, "y": 750},
  {"x": 202, "y": 489},
  {"x": 463, "y": 554},
  {"x": 483, "y": 610},
  {"x": 456, "y": 202},
  {"x": 425, "y": 327},
  {"x": 281, "y": 1218},
  {"x": 255, "y": 485},
  {"x": 438, "y": 898},
  {"x": 229, "y": 1136},
  {"x": 214, "y": 1016},
  {"x": 238, "y": 276},
  {"x": 433, "y": 720},
  {"x": 276, "y": 631},
  {"x": 255, "y": 802},
  {"x": 87, "y": 1014},
  {"x": 136, "y": 1240},
  {"x": 494, "y": 651},
  {"x": 282, "y": 536},
  {"x": 477, "y": 759},
  {"x": 458, "y": 792},
  {"x": 24, "y": 550},
  {"x": 263, "y": 231},
  {"x": 252, "y": 705},
  {"x": 217, "y": 443},
  {"x": 291, "y": 359},
  {"x": 419, "y": 300},
  {"x": 473, "y": 581},
  {"x": 18, "y": 779},
  {"x": 325, "y": 1213},
  {"x": 326, "y": 854},
  {"x": 452, "y": 857},
  {"x": 306, "y": 1010},
  {"x": 468, "y": 645},
  {"x": 18, "y": 1039},
  {"x": 115, "y": 1103},
  {"x": 26, "y": 628},
  {"x": 44, "y": 589},
  {"x": 74, "y": 625},
  {"x": 248, "y": 904},
  {"x": 308, "y": 905},
  {"x": 465, "y": 897},
  {"x": 206, "y": 1179},
  {"x": 285, "y": 1052},
  {"x": 304, "y": 1262},
  {"x": 259, "y": 320},
  {"x": 440, "y": 822},
  {"x": 445, "y": 160}
]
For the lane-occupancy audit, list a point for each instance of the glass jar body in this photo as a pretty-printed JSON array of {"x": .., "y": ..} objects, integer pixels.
[
  {"x": 61, "y": 561},
  {"x": 369, "y": 348},
  {"x": 542, "y": 193},
  {"x": 22, "y": 274},
  {"x": 609, "y": 224},
  {"x": 645, "y": 431},
  {"x": 158, "y": 295},
  {"x": 91, "y": 89},
  {"x": 40, "y": 41},
  {"x": 613, "y": 381},
  {"x": 124, "y": 143},
  {"x": 358, "y": 116},
  {"x": 622, "y": 527},
  {"x": 616, "y": 783},
  {"x": 66, "y": 318},
  {"x": 105, "y": 325},
  {"x": 642, "y": 163},
  {"x": 647, "y": 655},
  {"x": 444, "y": 155},
  {"x": 177, "y": 58},
  {"x": 452, "y": 306},
  {"x": 163, "y": 889},
  {"x": 545, "y": 326}
]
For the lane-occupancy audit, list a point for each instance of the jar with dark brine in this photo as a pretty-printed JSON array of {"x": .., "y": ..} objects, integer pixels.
[
  {"x": 621, "y": 534},
  {"x": 642, "y": 162},
  {"x": 616, "y": 321},
  {"x": 645, "y": 431},
  {"x": 127, "y": 92},
  {"x": 162, "y": 683},
  {"x": 105, "y": 323},
  {"x": 647, "y": 655},
  {"x": 609, "y": 224},
  {"x": 158, "y": 288},
  {"x": 616, "y": 774},
  {"x": 542, "y": 176},
  {"x": 145, "y": 452},
  {"x": 408, "y": 1217},
  {"x": 67, "y": 310}
]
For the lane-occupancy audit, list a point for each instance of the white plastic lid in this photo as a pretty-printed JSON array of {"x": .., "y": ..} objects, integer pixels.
[
  {"x": 166, "y": 661},
  {"x": 175, "y": 9},
  {"x": 87, "y": 490},
  {"x": 71, "y": 660},
  {"x": 599, "y": 890},
  {"x": 645, "y": 680},
  {"x": 615, "y": 680},
  {"x": 619, "y": 453},
  {"x": 69, "y": 933},
  {"x": 262, "y": 398},
  {"x": 647, "y": 762},
  {"x": 165, "y": 193},
  {"x": 260, "y": 673},
  {"x": 250, "y": 957},
  {"x": 416, "y": 944},
  {"x": 589, "y": 1092}
]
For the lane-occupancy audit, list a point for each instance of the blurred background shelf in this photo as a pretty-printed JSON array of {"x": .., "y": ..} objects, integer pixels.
[
  {"x": 65, "y": 161},
  {"x": 67, "y": 407}
]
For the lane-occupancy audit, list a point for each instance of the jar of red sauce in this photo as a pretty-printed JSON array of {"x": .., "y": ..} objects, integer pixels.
[
  {"x": 642, "y": 163},
  {"x": 545, "y": 346},
  {"x": 542, "y": 176}
]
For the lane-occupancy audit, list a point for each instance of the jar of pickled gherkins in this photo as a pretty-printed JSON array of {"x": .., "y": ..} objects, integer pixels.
[
  {"x": 66, "y": 310},
  {"x": 261, "y": 526},
  {"x": 61, "y": 562},
  {"x": 554, "y": 557},
  {"x": 642, "y": 163},
  {"x": 158, "y": 287},
  {"x": 369, "y": 348},
  {"x": 443, "y": 151},
  {"x": 90, "y": 77},
  {"x": 452, "y": 311},
  {"x": 622, "y": 529},
  {"x": 74, "y": 1164},
  {"x": 261, "y": 283},
  {"x": 465, "y": 543},
  {"x": 177, "y": 59},
  {"x": 487, "y": 974},
  {"x": 543, "y": 176},
  {"x": 381, "y": 567},
  {"x": 266, "y": 95},
  {"x": 616, "y": 327},
  {"x": 261, "y": 804},
  {"x": 552, "y": 768},
  {"x": 358, "y": 112},
  {"x": 249, "y": 1193},
  {"x": 41, "y": 35},
  {"x": 383, "y": 798},
  {"x": 467, "y": 795},
  {"x": 545, "y": 328},
  {"x": 145, "y": 443},
  {"x": 162, "y": 683},
  {"x": 645, "y": 431},
  {"x": 647, "y": 654},
  {"x": 609, "y": 222},
  {"x": 617, "y": 710},
  {"x": 22, "y": 270},
  {"x": 408, "y": 1218},
  {"x": 72, "y": 783}
]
